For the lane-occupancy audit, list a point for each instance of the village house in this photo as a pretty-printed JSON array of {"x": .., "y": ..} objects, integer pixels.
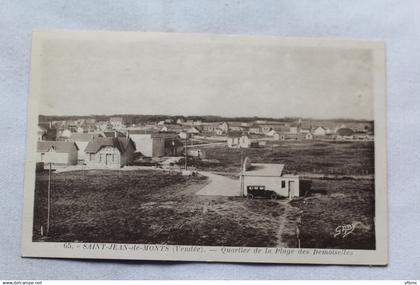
[
  {"x": 166, "y": 144},
  {"x": 188, "y": 122},
  {"x": 238, "y": 140},
  {"x": 256, "y": 178},
  {"x": 294, "y": 129},
  {"x": 277, "y": 126},
  {"x": 82, "y": 140},
  {"x": 224, "y": 127},
  {"x": 197, "y": 153},
  {"x": 103, "y": 125},
  {"x": 112, "y": 152},
  {"x": 117, "y": 123},
  {"x": 57, "y": 152},
  {"x": 299, "y": 136},
  {"x": 193, "y": 130},
  {"x": 320, "y": 131},
  {"x": 278, "y": 132},
  {"x": 143, "y": 141},
  {"x": 111, "y": 134},
  {"x": 81, "y": 129},
  {"x": 172, "y": 128},
  {"x": 255, "y": 129},
  {"x": 210, "y": 127},
  {"x": 65, "y": 133},
  {"x": 46, "y": 133},
  {"x": 189, "y": 133}
]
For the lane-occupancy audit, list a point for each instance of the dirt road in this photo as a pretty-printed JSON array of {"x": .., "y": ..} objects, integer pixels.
[{"x": 219, "y": 185}]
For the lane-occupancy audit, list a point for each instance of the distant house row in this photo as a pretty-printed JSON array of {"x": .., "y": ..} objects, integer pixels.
[
  {"x": 108, "y": 149},
  {"x": 279, "y": 130}
]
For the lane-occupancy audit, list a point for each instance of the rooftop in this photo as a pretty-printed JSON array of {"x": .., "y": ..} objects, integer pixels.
[
  {"x": 96, "y": 144},
  {"x": 58, "y": 146},
  {"x": 264, "y": 169}
]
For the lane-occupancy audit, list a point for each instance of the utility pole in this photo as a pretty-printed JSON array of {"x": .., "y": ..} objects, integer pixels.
[
  {"x": 49, "y": 199},
  {"x": 186, "y": 156},
  {"x": 242, "y": 174}
]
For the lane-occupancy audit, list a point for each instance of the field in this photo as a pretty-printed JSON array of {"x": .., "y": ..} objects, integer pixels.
[
  {"x": 150, "y": 206},
  {"x": 325, "y": 157}
]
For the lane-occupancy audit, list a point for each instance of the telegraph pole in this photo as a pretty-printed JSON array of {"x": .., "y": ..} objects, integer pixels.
[
  {"x": 186, "y": 138},
  {"x": 49, "y": 199}
]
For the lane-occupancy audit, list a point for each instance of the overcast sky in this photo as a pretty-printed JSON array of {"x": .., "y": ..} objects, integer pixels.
[{"x": 203, "y": 76}]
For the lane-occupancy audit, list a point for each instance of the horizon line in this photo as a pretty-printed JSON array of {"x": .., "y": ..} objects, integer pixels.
[{"x": 225, "y": 117}]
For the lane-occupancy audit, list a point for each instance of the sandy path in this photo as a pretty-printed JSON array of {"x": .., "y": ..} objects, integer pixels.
[{"x": 219, "y": 185}]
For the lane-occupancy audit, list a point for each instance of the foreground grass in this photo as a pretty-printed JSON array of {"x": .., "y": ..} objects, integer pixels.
[
  {"x": 333, "y": 203},
  {"x": 151, "y": 207},
  {"x": 157, "y": 208}
]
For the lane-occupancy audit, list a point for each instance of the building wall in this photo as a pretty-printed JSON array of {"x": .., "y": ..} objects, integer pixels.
[
  {"x": 273, "y": 183},
  {"x": 144, "y": 143},
  {"x": 81, "y": 155},
  {"x": 106, "y": 156},
  {"x": 127, "y": 156},
  {"x": 244, "y": 141},
  {"x": 158, "y": 148},
  {"x": 57, "y": 158},
  {"x": 233, "y": 142}
]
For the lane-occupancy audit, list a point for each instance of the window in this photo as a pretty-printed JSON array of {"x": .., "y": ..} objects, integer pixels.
[
  {"x": 91, "y": 156},
  {"x": 283, "y": 184}
]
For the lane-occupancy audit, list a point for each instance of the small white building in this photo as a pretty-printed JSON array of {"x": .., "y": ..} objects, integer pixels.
[
  {"x": 268, "y": 178},
  {"x": 321, "y": 131},
  {"x": 143, "y": 142},
  {"x": 236, "y": 140},
  {"x": 82, "y": 140},
  {"x": 117, "y": 123},
  {"x": 57, "y": 152},
  {"x": 66, "y": 133}
]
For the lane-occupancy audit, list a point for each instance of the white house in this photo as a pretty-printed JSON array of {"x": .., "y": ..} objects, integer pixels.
[
  {"x": 66, "y": 133},
  {"x": 117, "y": 123},
  {"x": 57, "y": 152},
  {"x": 257, "y": 178},
  {"x": 143, "y": 142},
  {"x": 294, "y": 129},
  {"x": 238, "y": 140},
  {"x": 320, "y": 131},
  {"x": 110, "y": 152},
  {"x": 82, "y": 140}
]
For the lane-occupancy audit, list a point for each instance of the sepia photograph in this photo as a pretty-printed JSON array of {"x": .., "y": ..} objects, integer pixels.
[{"x": 205, "y": 147}]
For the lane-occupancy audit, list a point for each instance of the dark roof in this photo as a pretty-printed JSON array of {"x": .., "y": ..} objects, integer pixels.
[
  {"x": 111, "y": 134},
  {"x": 141, "y": 132},
  {"x": 235, "y": 134},
  {"x": 173, "y": 142},
  {"x": 280, "y": 129},
  {"x": 164, "y": 135},
  {"x": 83, "y": 137},
  {"x": 256, "y": 136},
  {"x": 120, "y": 143},
  {"x": 59, "y": 146},
  {"x": 345, "y": 132}
]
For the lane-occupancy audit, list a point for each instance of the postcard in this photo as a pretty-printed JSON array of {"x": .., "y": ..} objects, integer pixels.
[{"x": 206, "y": 147}]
